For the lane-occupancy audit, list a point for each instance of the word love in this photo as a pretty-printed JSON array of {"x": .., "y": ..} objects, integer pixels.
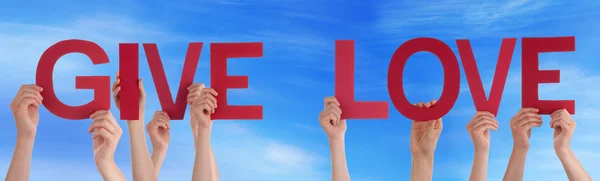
[
  {"x": 129, "y": 68},
  {"x": 531, "y": 77}
]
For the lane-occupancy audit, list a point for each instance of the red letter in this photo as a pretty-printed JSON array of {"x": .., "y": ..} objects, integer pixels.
[
  {"x": 220, "y": 81},
  {"x": 532, "y": 76},
  {"x": 100, "y": 84},
  {"x": 128, "y": 73},
  {"x": 175, "y": 110},
  {"x": 475, "y": 85},
  {"x": 451, "y": 79},
  {"x": 344, "y": 86}
]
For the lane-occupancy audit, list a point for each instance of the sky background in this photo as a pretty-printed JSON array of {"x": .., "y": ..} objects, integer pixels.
[{"x": 294, "y": 76}]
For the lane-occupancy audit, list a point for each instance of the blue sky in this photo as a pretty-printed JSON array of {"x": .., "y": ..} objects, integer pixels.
[{"x": 295, "y": 74}]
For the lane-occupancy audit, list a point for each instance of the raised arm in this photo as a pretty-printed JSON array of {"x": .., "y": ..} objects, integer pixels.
[
  {"x": 564, "y": 126},
  {"x": 479, "y": 128},
  {"x": 521, "y": 125},
  {"x": 106, "y": 134},
  {"x": 215, "y": 170},
  {"x": 141, "y": 163},
  {"x": 203, "y": 103},
  {"x": 424, "y": 136},
  {"x": 335, "y": 128},
  {"x": 25, "y": 109},
  {"x": 158, "y": 129}
]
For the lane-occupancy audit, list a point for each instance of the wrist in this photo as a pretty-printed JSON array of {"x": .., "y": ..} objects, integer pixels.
[
  {"x": 336, "y": 140},
  {"x": 563, "y": 151},
  {"x": 159, "y": 150},
  {"x": 26, "y": 138},
  {"x": 482, "y": 150}
]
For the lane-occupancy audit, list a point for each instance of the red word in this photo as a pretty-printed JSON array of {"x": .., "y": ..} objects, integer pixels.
[
  {"x": 531, "y": 77},
  {"x": 128, "y": 68}
]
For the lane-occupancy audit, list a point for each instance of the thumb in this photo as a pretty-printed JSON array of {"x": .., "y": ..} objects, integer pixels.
[{"x": 141, "y": 87}]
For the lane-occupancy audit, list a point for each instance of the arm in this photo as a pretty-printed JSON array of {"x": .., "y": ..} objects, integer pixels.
[
  {"x": 572, "y": 166},
  {"x": 516, "y": 165},
  {"x": 158, "y": 157},
  {"x": 21, "y": 160},
  {"x": 479, "y": 130},
  {"x": 521, "y": 125},
  {"x": 110, "y": 171},
  {"x": 424, "y": 136},
  {"x": 203, "y": 103},
  {"x": 159, "y": 132},
  {"x": 422, "y": 167},
  {"x": 25, "y": 109},
  {"x": 335, "y": 128},
  {"x": 338, "y": 160},
  {"x": 564, "y": 126},
  {"x": 215, "y": 170},
  {"x": 202, "y": 163},
  {"x": 141, "y": 163}
]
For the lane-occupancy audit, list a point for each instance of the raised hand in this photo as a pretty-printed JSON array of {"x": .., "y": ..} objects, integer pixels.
[
  {"x": 25, "y": 108},
  {"x": 106, "y": 134},
  {"x": 203, "y": 104},
  {"x": 116, "y": 88},
  {"x": 424, "y": 135},
  {"x": 479, "y": 128},
  {"x": 521, "y": 125},
  {"x": 335, "y": 128},
  {"x": 564, "y": 126},
  {"x": 158, "y": 129},
  {"x": 330, "y": 119}
]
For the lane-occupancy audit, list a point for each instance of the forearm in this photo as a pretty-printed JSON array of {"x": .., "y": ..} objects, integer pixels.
[
  {"x": 339, "y": 167},
  {"x": 480, "y": 165},
  {"x": 516, "y": 165},
  {"x": 158, "y": 157},
  {"x": 215, "y": 170},
  {"x": 422, "y": 167},
  {"x": 21, "y": 160},
  {"x": 571, "y": 165},
  {"x": 141, "y": 163},
  {"x": 110, "y": 171},
  {"x": 202, "y": 162}
]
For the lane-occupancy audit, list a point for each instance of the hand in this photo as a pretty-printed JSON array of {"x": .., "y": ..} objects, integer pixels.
[
  {"x": 479, "y": 128},
  {"x": 25, "y": 108},
  {"x": 563, "y": 125},
  {"x": 330, "y": 119},
  {"x": 106, "y": 134},
  {"x": 116, "y": 88},
  {"x": 158, "y": 129},
  {"x": 521, "y": 125},
  {"x": 424, "y": 135},
  {"x": 203, "y": 104}
]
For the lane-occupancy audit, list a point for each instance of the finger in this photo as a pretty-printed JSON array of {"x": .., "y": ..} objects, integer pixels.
[
  {"x": 32, "y": 90},
  {"x": 486, "y": 126},
  {"x": 427, "y": 105},
  {"x": 532, "y": 124},
  {"x": 332, "y": 118},
  {"x": 28, "y": 101},
  {"x": 420, "y": 104},
  {"x": 483, "y": 121},
  {"x": 331, "y": 100},
  {"x": 111, "y": 119},
  {"x": 36, "y": 96},
  {"x": 480, "y": 115},
  {"x": 116, "y": 84},
  {"x": 525, "y": 115},
  {"x": 32, "y": 86},
  {"x": 160, "y": 115},
  {"x": 212, "y": 91},
  {"x": 141, "y": 88},
  {"x": 103, "y": 123},
  {"x": 104, "y": 134},
  {"x": 433, "y": 102},
  {"x": 193, "y": 95},
  {"x": 526, "y": 110},
  {"x": 207, "y": 108},
  {"x": 196, "y": 85},
  {"x": 117, "y": 92},
  {"x": 562, "y": 124},
  {"x": 212, "y": 99},
  {"x": 335, "y": 110},
  {"x": 527, "y": 120},
  {"x": 210, "y": 103}
]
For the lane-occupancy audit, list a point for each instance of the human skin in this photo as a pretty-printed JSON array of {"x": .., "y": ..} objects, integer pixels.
[
  {"x": 158, "y": 130},
  {"x": 106, "y": 134},
  {"x": 335, "y": 128},
  {"x": 479, "y": 128},
  {"x": 564, "y": 126},
  {"x": 141, "y": 162},
  {"x": 194, "y": 125},
  {"x": 424, "y": 136},
  {"x": 203, "y": 104},
  {"x": 25, "y": 109},
  {"x": 521, "y": 125}
]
